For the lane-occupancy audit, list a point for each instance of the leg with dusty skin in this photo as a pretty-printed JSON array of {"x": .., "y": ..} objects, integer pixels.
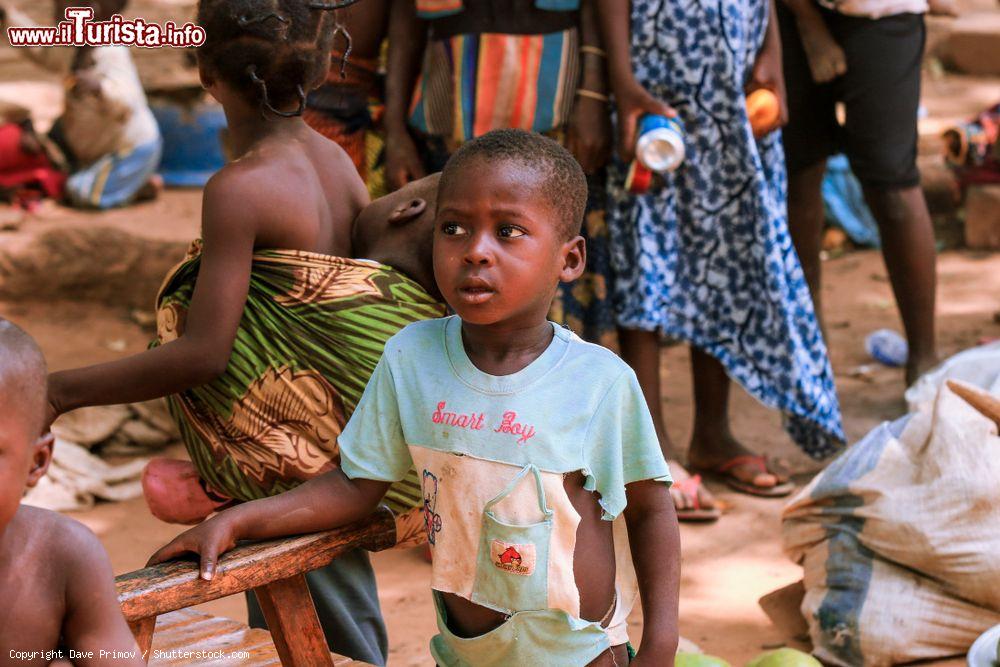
[{"x": 641, "y": 351}]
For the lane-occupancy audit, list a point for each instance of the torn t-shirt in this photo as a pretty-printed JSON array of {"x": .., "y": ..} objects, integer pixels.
[{"x": 577, "y": 407}]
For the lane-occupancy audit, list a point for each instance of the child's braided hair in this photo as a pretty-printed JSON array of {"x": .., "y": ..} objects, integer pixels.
[{"x": 273, "y": 51}]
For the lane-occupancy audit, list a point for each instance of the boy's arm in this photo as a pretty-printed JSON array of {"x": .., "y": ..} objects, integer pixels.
[
  {"x": 407, "y": 40},
  {"x": 826, "y": 59},
  {"x": 203, "y": 350},
  {"x": 93, "y": 625},
  {"x": 322, "y": 503},
  {"x": 655, "y": 541}
]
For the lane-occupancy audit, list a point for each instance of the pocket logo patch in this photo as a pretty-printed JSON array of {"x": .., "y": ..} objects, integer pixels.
[{"x": 513, "y": 558}]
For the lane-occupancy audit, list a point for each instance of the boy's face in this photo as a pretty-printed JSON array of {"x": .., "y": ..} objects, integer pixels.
[
  {"x": 24, "y": 457},
  {"x": 499, "y": 250}
]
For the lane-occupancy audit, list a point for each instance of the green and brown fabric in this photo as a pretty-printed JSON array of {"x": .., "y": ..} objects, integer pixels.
[{"x": 312, "y": 330}]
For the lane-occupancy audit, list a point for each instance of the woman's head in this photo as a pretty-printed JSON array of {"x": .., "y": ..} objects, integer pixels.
[{"x": 269, "y": 52}]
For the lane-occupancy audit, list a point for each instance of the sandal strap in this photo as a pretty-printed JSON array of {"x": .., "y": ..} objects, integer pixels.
[
  {"x": 690, "y": 487},
  {"x": 754, "y": 460}
]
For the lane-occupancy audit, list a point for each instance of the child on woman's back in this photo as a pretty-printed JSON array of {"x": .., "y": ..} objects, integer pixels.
[
  {"x": 529, "y": 441},
  {"x": 55, "y": 578}
]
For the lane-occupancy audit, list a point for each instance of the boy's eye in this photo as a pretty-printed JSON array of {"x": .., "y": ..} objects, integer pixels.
[
  {"x": 510, "y": 232},
  {"x": 451, "y": 229}
]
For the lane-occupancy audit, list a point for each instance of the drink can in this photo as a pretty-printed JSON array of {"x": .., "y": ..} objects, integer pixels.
[
  {"x": 638, "y": 179},
  {"x": 660, "y": 146},
  {"x": 887, "y": 347}
]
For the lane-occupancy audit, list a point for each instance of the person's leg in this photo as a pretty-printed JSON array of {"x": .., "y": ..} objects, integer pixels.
[
  {"x": 712, "y": 442},
  {"x": 346, "y": 600},
  {"x": 808, "y": 139},
  {"x": 641, "y": 351},
  {"x": 805, "y": 224},
  {"x": 881, "y": 138},
  {"x": 908, "y": 249}
]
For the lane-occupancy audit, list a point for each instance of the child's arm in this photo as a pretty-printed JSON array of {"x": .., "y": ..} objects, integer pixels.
[
  {"x": 202, "y": 352},
  {"x": 631, "y": 98},
  {"x": 407, "y": 40},
  {"x": 656, "y": 553},
  {"x": 93, "y": 624},
  {"x": 826, "y": 59},
  {"x": 322, "y": 503}
]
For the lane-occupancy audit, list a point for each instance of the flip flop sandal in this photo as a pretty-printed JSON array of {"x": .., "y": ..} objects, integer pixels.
[
  {"x": 749, "y": 488},
  {"x": 690, "y": 487}
]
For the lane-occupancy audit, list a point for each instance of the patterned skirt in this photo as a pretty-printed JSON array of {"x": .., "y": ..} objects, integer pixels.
[
  {"x": 312, "y": 330},
  {"x": 707, "y": 257}
]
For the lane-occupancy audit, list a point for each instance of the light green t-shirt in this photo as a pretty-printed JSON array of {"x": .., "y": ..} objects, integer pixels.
[{"x": 577, "y": 407}]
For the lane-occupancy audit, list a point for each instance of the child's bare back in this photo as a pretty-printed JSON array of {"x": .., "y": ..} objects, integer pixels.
[{"x": 300, "y": 189}]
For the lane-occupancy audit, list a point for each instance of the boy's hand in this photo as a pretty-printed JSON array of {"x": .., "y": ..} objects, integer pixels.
[
  {"x": 633, "y": 102},
  {"x": 209, "y": 539},
  {"x": 589, "y": 135},
  {"x": 402, "y": 160}
]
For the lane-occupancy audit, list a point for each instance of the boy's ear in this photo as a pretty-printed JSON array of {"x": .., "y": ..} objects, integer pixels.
[
  {"x": 574, "y": 254},
  {"x": 41, "y": 457},
  {"x": 407, "y": 211}
]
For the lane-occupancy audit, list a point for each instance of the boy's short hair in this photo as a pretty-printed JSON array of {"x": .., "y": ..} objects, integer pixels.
[
  {"x": 22, "y": 373},
  {"x": 564, "y": 184}
]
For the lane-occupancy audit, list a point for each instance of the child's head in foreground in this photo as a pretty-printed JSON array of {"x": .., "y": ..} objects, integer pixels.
[
  {"x": 510, "y": 206},
  {"x": 24, "y": 455},
  {"x": 265, "y": 53}
]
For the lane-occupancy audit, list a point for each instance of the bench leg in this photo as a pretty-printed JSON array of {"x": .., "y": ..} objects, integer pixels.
[
  {"x": 143, "y": 631},
  {"x": 291, "y": 618}
]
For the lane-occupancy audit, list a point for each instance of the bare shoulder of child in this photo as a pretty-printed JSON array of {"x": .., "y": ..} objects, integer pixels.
[{"x": 55, "y": 577}]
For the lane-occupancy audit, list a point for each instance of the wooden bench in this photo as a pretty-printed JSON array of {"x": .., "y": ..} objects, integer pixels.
[{"x": 274, "y": 570}]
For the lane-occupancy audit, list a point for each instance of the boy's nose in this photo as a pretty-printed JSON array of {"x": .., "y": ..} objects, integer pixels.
[{"x": 479, "y": 250}]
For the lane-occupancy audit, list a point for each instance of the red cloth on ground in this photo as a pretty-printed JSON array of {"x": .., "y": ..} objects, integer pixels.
[{"x": 25, "y": 172}]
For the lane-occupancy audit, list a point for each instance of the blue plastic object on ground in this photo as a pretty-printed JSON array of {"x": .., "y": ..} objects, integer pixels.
[
  {"x": 844, "y": 203},
  {"x": 192, "y": 146},
  {"x": 887, "y": 347}
]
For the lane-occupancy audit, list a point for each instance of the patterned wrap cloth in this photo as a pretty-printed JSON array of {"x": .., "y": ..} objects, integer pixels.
[
  {"x": 707, "y": 258},
  {"x": 312, "y": 330}
]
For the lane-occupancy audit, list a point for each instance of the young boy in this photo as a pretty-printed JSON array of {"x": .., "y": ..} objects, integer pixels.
[
  {"x": 109, "y": 135},
  {"x": 513, "y": 425},
  {"x": 55, "y": 578}
]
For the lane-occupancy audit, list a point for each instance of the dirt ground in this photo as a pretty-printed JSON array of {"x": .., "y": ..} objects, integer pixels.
[{"x": 726, "y": 566}]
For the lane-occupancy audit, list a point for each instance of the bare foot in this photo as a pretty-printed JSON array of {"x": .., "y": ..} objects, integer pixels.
[
  {"x": 827, "y": 60},
  {"x": 713, "y": 451},
  {"x": 151, "y": 189},
  {"x": 175, "y": 494}
]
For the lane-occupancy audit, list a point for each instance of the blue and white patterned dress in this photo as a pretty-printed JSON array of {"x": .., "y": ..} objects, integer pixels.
[{"x": 708, "y": 258}]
